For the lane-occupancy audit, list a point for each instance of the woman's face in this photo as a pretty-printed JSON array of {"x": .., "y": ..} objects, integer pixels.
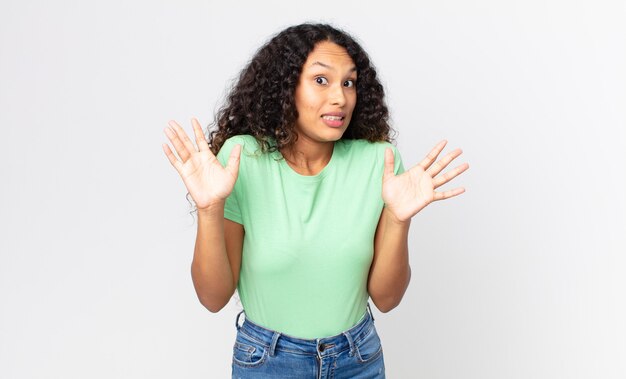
[{"x": 326, "y": 93}]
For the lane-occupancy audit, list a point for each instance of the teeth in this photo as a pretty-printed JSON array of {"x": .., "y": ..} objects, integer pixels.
[{"x": 333, "y": 118}]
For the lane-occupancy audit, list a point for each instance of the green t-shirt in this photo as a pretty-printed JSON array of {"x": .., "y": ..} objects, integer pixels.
[{"x": 309, "y": 240}]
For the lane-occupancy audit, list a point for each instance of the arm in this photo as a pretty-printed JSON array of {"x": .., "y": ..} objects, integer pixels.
[
  {"x": 390, "y": 272},
  {"x": 217, "y": 255},
  {"x": 404, "y": 196}
]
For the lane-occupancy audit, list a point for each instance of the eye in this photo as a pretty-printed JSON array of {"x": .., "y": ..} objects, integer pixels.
[
  {"x": 349, "y": 83},
  {"x": 321, "y": 80}
]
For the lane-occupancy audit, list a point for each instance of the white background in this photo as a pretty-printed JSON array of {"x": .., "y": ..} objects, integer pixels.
[{"x": 521, "y": 277}]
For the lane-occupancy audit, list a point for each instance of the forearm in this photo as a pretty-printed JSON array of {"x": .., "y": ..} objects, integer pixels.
[
  {"x": 390, "y": 273},
  {"x": 211, "y": 269}
]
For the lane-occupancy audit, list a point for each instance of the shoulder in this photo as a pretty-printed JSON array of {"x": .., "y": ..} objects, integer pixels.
[
  {"x": 253, "y": 160},
  {"x": 248, "y": 143},
  {"x": 250, "y": 147},
  {"x": 365, "y": 154}
]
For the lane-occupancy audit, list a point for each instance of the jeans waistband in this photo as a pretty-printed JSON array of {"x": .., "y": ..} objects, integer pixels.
[{"x": 321, "y": 347}]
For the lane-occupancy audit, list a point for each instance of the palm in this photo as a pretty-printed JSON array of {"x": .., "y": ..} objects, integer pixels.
[
  {"x": 205, "y": 178},
  {"x": 408, "y": 193}
]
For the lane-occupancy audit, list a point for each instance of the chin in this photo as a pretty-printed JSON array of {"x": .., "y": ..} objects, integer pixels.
[
  {"x": 323, "y": 134},
  {"x": 334, "y": 135}
]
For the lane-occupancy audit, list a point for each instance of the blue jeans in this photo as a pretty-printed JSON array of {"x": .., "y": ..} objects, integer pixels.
[{"x": 262, "y": 353}]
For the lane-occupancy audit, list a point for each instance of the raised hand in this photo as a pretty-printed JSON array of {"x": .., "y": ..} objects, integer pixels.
[
  {"x": 205, "y": 178},
  {"x": 408, "y": 193}
]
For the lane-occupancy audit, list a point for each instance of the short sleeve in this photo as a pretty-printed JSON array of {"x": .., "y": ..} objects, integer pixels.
[
  {"x": 397, "y": 160},
  {"x": 232, "y": 211},
  {"x": 398, "y": 167}
]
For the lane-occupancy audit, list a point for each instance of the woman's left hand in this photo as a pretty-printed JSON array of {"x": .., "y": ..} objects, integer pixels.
[{"x": 408, "y": 193}]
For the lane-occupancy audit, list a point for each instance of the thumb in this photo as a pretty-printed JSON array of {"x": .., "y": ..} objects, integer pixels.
[
  {"x": 233, "y": 160},
  {"x": 389, "y": 163}
]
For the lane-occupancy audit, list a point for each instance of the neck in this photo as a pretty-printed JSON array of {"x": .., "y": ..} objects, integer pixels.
[{"x": 308, "y": 157}]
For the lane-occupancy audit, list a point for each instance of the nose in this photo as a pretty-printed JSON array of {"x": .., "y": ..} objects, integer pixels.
[{"x": 337, "y": 96}]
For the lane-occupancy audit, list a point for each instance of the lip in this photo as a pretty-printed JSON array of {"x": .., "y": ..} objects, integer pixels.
[
  {"x": 334, "y": 123},
  {"x": 336, "y": 114}
]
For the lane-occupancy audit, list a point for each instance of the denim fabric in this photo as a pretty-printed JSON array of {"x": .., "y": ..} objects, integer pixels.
[{"x": 262, "y": 353}]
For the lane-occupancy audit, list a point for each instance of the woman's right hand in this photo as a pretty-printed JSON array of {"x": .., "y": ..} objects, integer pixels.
[{"x": 206, "y": 180}]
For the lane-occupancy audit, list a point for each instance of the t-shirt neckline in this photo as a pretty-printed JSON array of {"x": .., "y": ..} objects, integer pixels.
[{"x": 309, "y": 178}]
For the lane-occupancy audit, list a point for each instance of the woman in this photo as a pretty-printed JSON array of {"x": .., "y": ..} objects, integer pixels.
[{"x": 306, "y": 208}]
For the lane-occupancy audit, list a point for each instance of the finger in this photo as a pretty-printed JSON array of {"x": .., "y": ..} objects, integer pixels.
[
  {"x": 180, "y": 148},
  {"x": 448, "y": 194},
  {"x": 180, "y": 132},
  {"x": 432, "y": 156},
  {"x": 443, "y": 162},
  {"x": 171, "y": 157},
  {"x": 445, "y": 178},
  {"x": 200, "y": 139},
  {"x": 389, "y": 163},
  {"x": 233, "y": 160}
]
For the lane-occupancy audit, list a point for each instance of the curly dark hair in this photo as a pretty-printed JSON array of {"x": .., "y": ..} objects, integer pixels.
[{"x": 262, "y": 102}]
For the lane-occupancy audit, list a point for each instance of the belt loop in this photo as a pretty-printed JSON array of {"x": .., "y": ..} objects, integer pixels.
[
  {"x": 370, "y": 310},
  {"x": 351, "y": 343},
  {"x": 274, "y": 342},
  {"x": 237, "y": 320}
]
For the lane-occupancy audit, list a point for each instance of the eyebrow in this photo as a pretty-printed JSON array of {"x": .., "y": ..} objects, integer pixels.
[{"x": 329, "y": 66}]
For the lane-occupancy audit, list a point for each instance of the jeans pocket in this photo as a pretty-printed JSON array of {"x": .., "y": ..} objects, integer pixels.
[
  {"x": 247, "y": 352},
  {"x": 369, "y": 347}
]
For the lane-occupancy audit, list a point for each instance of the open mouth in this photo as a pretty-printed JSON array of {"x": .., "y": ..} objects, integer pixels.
[{"x": 333, "y": 118}]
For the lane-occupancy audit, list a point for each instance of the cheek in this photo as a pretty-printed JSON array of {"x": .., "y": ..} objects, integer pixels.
[
  {"x": 352, "y": 101},
  {"x": 305, "y": 103}
]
